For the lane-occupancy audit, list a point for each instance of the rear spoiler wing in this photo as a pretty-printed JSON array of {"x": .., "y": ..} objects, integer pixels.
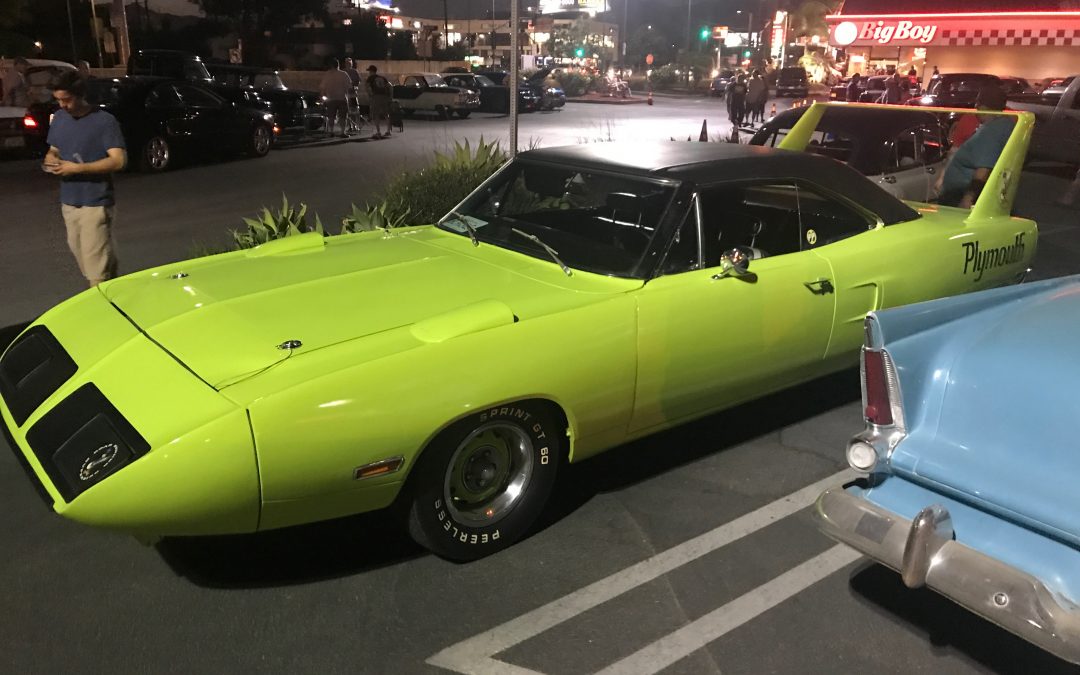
[{"x": 997, "y": 196}]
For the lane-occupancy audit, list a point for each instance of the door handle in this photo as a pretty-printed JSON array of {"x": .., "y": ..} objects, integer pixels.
[
  {"x": 931, "y": 169},
  {"x": 820, "y": 286},
  {"x": 889, "y": 179}
]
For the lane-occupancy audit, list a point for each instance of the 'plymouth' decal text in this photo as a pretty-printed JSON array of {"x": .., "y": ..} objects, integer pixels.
[{"x": 977, "y": 260}]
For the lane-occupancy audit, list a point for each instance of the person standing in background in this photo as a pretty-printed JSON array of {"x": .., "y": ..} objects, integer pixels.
[
  {"x": 335, "y": 86},
  {"x": 86, "y": 147},
  {"x": 969, "y": 168},
  {"x": 757, "y": 93},
  {"x": 736, "y": 98},
  {"x": 16, "y": 91},
  {"x": 853, "y": 88},
  {"x": 380, "y": 97}
]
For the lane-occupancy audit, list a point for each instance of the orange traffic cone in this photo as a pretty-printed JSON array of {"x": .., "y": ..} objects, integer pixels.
[
  {"x": 649, "y": 99},
  {"x": 772, "y": 111},
  {"x": 704, "y": 135}
]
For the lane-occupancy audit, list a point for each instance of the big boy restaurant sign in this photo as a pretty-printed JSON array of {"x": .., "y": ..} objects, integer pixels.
[{"x": 921, "y": 30}]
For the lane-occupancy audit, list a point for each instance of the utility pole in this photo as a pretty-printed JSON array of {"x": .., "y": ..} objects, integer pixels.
[
  {"x": 514, "y": 68},
  {"x": 445, "y": 26},
  {"x": 97, "y": 38},
  {"x": 622, "y": 35},
  {"x": 71, "y": 30},
  {"x": 689, "y": 3}
]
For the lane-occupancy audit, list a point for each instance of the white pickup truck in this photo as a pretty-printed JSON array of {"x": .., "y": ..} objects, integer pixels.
[{"x": 1056, "y": 137}]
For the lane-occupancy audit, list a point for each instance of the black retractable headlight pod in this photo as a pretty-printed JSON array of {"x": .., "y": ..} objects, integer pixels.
[
  {"x": 32, "y": 369},
  {"x": 83, "y": 440}
]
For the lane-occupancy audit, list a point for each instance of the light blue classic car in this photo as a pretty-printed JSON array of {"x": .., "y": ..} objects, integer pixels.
[{"x": 970, "y": 456}]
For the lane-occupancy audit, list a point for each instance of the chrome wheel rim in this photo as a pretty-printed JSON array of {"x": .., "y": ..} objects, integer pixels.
[
  {"x": 157, "y": 153},
  {"x": 488, "y": 473},
  {"x": 262, "y": 140}
]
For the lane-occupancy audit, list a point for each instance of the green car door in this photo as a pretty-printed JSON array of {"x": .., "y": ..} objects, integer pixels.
[{"x": 708, "y": 339}]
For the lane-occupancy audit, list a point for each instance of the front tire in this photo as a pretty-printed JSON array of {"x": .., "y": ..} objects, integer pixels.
[
  {"x": 482, "y": 483},
  {"x": 261, "y": 139},
  {"x": 442, "y": 112},
  {"x": 157, "y": 154},
  {"x": 463, "y": 114}
]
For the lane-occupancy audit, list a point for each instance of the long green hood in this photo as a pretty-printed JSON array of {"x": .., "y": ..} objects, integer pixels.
[{"x": 225, "y": 316}]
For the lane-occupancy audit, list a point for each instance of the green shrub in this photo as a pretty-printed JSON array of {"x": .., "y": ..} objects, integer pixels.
[
  {"x": 665, "y": 76},
  {"x": 574, "y": 83},
  {"x": 422, "y": 197},
  {"x": 286, "y": 221}
]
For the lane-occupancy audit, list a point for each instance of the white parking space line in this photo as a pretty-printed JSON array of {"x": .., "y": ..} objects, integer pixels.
[
  {"x": 474, "y": 655},
  {"x": 687, "y": 640}
]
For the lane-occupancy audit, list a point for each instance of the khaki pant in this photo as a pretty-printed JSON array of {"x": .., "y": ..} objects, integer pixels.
[{"x": 90, "y": 240}]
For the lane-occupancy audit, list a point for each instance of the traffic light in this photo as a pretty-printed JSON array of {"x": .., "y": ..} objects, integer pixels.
[
  {"x": 705, "y": 33},
  {"x": 746, "y": 54},
  {"x": 579, "y": 52}
]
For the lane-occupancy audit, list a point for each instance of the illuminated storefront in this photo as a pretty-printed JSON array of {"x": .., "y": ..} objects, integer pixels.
[{"x": 1022, "y": 38}]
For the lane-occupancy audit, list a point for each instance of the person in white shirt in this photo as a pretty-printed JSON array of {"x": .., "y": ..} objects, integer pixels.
[{"x": 336, "y": 86}]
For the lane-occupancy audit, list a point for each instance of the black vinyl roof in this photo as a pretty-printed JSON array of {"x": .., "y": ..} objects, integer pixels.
[
  {"x": 893, "y": 7},
  {"x": 870, "y": 132},
  {"x": 704, "y": 163}
]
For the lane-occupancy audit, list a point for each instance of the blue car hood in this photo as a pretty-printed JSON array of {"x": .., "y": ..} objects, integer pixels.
[{"x": 1003, "y": 433}]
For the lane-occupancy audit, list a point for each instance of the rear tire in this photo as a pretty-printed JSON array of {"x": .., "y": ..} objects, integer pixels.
[
  {"x": 441, "y": 112},
  {"x": 481, "y": 483},
  {"x": 464, "y": 114}
]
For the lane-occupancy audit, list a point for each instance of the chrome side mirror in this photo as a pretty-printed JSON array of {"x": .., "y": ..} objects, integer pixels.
[{"x": 734, "y": 262}]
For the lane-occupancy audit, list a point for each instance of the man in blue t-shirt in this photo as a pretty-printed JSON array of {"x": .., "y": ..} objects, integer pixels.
[
  {"x": 970, "y": 167},
  {"x": 85, "y": 148}
]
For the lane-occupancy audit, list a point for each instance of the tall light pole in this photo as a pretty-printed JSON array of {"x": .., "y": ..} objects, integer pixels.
[
  {"x": 514, "y": 69},
  {"x": 689, "y": 3},
  {"x": 97, "y": 38}
]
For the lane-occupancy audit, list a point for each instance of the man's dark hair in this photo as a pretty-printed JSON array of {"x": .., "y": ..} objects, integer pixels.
[{"x": 70, "y": 81}]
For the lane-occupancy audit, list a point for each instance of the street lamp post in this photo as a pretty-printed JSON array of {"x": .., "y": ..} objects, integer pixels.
[
  {"x": 71, "y": 31},
  {"x": 689, "y": 4}
]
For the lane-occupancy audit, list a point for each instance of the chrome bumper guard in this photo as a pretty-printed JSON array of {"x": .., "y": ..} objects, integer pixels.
[{"x": 924, "y": 553}]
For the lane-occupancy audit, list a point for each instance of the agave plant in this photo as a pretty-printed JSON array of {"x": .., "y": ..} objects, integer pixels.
[
  {"x": 371, "y": 218},
  {"x": 485, "y": 159},
  {"x": 287, "y": 221}
]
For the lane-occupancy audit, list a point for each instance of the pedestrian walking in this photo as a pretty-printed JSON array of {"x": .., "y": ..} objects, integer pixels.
[
  {"x": 757, "y": 93},
  {"x": 335, "y": 86},
  {"x": 736, "y": 100},
  {"x": 85, "y": 148},
  {"x": 16, "y": 91},
  {"x": 380, "y": 97}
]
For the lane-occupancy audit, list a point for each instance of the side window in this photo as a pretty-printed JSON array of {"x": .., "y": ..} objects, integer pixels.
[
  {"x": 904, "y": 151},
  {"x": 831, "y": 144},
  {"x": 164, "y": 96},
  {"x": 763, "y": 217},
  {"x": 198, "y": 97},
  {"x": 684, "y": 253},
  {"x": 933, "y": 144},
  {"x": 824, "y": 220},
  {"x": 413, "y": 81}
]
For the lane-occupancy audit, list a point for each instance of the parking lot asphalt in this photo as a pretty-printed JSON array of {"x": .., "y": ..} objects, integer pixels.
[{"x": 690, "y": 551}]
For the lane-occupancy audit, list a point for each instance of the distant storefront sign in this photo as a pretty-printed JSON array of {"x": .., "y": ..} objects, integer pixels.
[
  {"x": 554, "y": 6},
  {"x": 778, "y": 35}
]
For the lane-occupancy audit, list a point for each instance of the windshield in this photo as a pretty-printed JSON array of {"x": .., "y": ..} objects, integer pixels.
[
  {"x": 597, "y": 222},
  {"x": 482, "y": 81},
  {"x": 434, "y": 81}
]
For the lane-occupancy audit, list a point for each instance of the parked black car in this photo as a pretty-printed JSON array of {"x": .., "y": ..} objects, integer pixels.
[
  {"x": 549, "y": 97},
  {"x": 494, "y": 98},
  {"x": 169, "y": 63},
  {"x": 164, "y": 118},
  {"x": 955, "y": 90},
  {"x": 296, "y": 111},
  {"x": 792, "y": 82}
]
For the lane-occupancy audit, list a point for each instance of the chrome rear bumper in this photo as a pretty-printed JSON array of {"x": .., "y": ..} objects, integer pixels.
[{"x": 924, "y": 552}]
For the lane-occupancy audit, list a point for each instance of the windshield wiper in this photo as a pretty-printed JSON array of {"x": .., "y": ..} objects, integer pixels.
[
  {"x": 469, "y": 228},
  {"x": 550, "y": 251}
]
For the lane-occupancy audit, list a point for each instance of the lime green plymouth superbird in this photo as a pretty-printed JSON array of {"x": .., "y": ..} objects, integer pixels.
[{"x": 581, "y": 297}]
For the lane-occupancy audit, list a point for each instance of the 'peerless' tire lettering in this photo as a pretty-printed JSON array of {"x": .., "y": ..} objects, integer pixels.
[{"x": 488, "y": 477}]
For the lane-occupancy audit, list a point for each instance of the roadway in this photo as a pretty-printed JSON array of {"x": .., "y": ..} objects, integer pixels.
[{"x": 691, "y": 551}]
